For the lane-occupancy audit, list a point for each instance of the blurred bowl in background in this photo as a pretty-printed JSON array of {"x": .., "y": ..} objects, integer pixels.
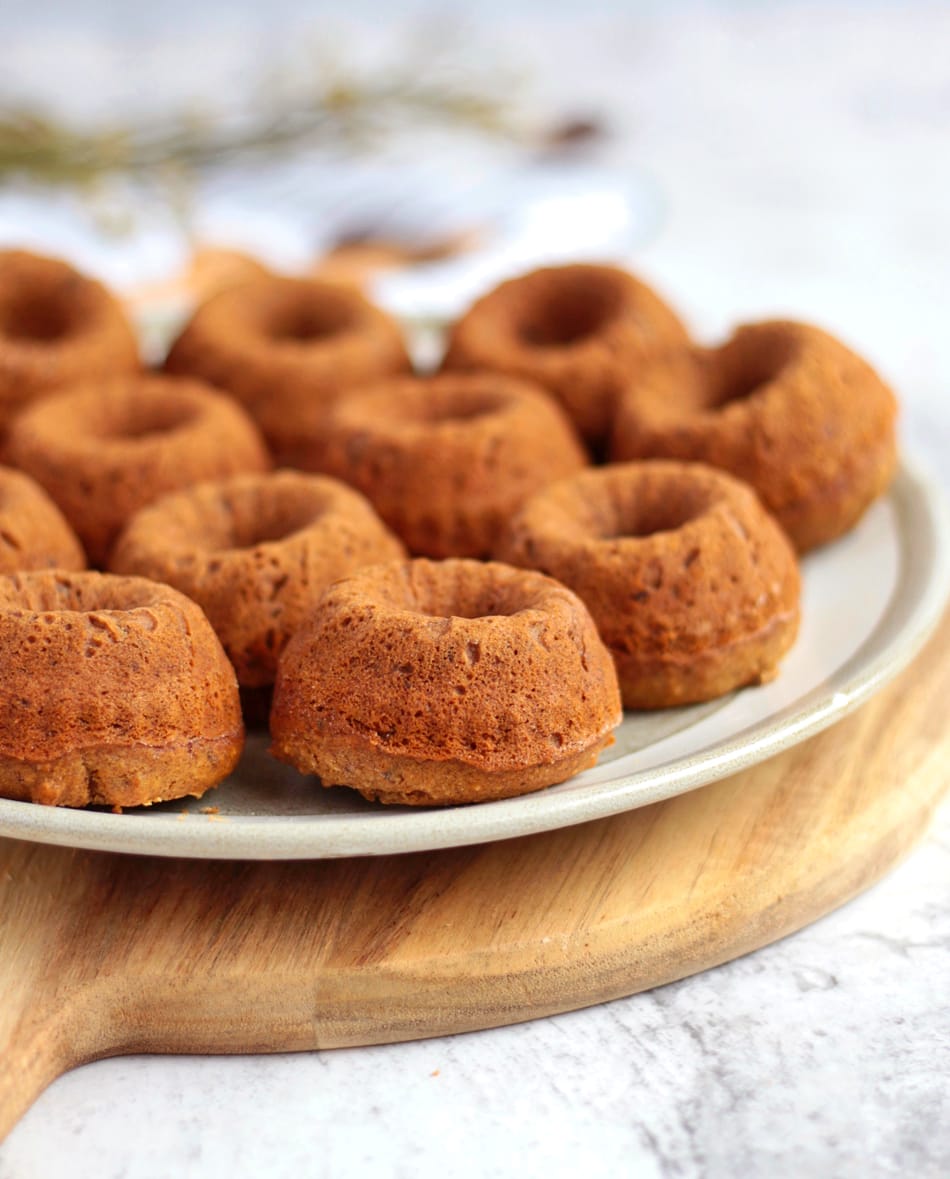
[{"x": 423, "y": 238}]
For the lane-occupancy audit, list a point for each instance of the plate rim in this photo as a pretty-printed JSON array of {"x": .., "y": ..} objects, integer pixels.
[{"x": 911, "y": 615}]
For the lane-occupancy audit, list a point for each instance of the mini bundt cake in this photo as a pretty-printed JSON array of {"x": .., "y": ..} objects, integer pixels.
[
  {"x": 693, "y": 586},
  {"x": 255, "y": 552},
  {"x": 103, "y": 451},
  {"x": 428, "y": 682},
  {"x": 56, "y": 327},
  {"x": 286, "y": 348},
  {"x": 115, "y": 692},
  {"x": 579, "y": 331},
  {"x": 446, "y": 460},
  {"x": 33, "y": 531},
  {"x": 782, "y": 405}
]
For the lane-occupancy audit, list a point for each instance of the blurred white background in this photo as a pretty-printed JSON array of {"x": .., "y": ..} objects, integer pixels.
[{"x": 783, "y": 158}]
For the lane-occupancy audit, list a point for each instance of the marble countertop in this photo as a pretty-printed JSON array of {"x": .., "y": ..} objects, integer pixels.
[{"x": 802, "y": 154}]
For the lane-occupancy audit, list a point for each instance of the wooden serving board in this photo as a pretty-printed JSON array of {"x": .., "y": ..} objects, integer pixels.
[{"x": 102, "y": 954}]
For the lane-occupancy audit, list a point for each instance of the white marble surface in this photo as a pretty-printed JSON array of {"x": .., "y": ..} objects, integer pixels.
[{"x": 803, "y": 152}]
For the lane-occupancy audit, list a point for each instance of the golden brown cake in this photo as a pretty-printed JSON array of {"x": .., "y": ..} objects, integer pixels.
[
  {"x": 427, "y": 682},
  {"x": 579, "y": 331},
  {"x": 104, "y": 450},
  {"x": 255, "y": 552},
  {"x": 286, "y": 348},
  {"x": 692, "y": 584},
  {"x": 56, "y": 327},
  {"x": 115, "y": 692},
  {"x": 446, "y": 460},
  {"x": 782, "y": 405},
  {"x": 33, "y": 531}
]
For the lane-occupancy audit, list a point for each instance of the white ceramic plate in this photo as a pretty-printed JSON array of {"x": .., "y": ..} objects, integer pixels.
[{"x": 869, "y": 603}]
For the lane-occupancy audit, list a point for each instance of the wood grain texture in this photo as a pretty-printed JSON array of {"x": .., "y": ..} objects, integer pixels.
[{"x": 102, "y": 954}]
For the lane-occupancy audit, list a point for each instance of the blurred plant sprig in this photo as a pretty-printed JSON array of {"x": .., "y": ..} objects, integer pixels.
[{"x": 337, "y": 109}]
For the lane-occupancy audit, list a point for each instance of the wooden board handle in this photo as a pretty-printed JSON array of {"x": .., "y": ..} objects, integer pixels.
[{"x": 44, "y": 1020}]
